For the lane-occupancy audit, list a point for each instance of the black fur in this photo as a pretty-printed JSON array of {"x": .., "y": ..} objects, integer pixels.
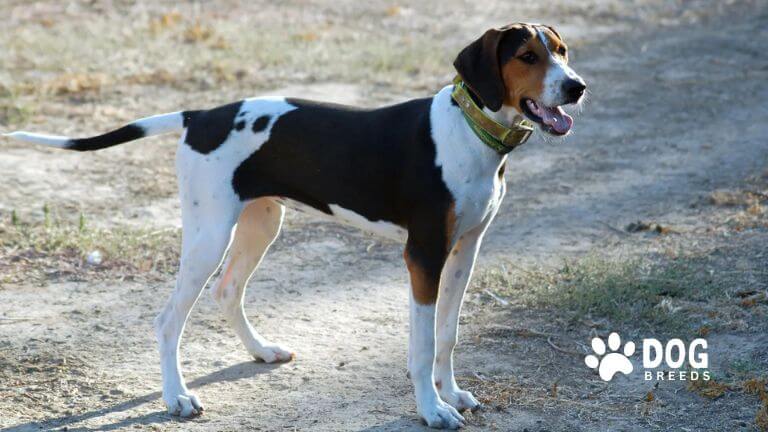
[
  {"x": 378, "y": 163},
  {"x": 118, "y": 136},
  {"x": 260, "y": 124},
  {"x": 207, "y": 130},
  {"x": 513, "y": 39},
  {"x": 187, "y": 117}
]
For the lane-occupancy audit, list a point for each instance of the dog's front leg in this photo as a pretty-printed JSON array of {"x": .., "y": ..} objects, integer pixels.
[
  {"x": 425, "y": 261},
  {"x": 456, "y": 275}
]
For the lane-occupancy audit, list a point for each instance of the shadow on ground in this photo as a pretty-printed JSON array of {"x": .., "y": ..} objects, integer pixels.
[{"x": 233, "y": 373}]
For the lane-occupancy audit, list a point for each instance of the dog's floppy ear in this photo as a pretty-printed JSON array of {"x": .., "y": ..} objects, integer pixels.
[{"x": 478, "y": 65}]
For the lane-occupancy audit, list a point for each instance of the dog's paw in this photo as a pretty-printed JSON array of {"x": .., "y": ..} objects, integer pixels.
[
  {"x": 183, "y": 405},
  {"x": 461, "y": 400},
  {"x": 273, "y": 354},
  {"x": 441, "y": 416}
]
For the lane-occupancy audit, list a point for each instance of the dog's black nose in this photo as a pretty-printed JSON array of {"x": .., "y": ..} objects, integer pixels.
[{"x": 574, "y": 89}]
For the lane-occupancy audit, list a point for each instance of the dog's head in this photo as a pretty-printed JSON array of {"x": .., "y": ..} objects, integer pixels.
[{"x": 523, "y": 66}]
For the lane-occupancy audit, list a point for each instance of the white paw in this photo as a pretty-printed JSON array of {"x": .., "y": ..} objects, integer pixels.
[
  {"x": 609, "y": 364},
  {"x": 183, "y": 405},
  {"x": 441, "y": 416},
  {"x": 274, "y": 354},
  {"x": 461, "y": 400}
]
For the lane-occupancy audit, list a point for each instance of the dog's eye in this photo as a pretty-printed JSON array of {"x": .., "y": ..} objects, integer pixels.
[
  {"x": 529, "y": 57},
  {"x": 561, "y": 51}
]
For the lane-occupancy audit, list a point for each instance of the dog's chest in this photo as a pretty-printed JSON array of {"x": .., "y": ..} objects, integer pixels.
[
  {"x": 470, "y": 170},
  {"x": 477, "y": 200}
]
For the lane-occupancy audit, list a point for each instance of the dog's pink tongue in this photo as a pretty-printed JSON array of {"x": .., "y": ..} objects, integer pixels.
[{"x": 557, "y": 119}]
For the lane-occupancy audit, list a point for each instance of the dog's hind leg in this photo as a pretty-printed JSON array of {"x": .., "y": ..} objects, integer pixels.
[
  {"x": 207, "y": 227},
  {"x": 257, "y": 227}
]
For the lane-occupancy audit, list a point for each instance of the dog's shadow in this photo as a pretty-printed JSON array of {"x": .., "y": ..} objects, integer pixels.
[{"x": 231, "y": 373}]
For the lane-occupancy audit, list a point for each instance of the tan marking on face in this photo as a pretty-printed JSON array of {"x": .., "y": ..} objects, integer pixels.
[
  {"x": 523, "y": 80},
  {"x": 555, "y": 44},
  {"x": 424, "y": 287}
]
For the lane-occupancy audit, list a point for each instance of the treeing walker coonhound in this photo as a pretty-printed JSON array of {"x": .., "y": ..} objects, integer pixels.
[{"x": 422, "y": 172}]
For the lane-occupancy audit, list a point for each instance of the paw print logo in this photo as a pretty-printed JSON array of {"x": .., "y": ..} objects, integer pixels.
[{"x": 607, "y": 365}]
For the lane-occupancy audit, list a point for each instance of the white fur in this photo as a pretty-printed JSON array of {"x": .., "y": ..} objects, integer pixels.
[
  {"x": 37, "y": 138},
  {"x": 430, "y": 407},
  {"x": 161, "y": 123},
  {"x": 453, "y": 283},
  {"x": 469, "y": 166},
  {"x": 384, "y": 229},
  {"x": 209, "y": 209},
  {"x": 154, "y": 125},
  {"x": 557, "y": 74}
]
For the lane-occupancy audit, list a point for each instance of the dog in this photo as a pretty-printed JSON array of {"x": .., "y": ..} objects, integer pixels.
[{"x": 427, "y": 172}]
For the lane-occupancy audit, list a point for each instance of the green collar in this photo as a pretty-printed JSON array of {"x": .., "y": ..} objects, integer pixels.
[{"x": 493, "y": 134}]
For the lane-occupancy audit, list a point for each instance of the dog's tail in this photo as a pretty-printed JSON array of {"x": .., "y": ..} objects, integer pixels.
[{"x": 141, "y": 128}]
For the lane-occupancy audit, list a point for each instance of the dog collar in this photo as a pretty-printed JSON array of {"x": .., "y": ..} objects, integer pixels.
[{"x": 495, "y": 135}]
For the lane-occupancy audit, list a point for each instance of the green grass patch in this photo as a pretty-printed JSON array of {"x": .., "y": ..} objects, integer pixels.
[
  {"x": 54, "y": 248},
  {"x": 637, "y": 291}
]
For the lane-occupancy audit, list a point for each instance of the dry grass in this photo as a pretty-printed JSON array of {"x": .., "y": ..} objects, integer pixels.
[
  {"x": 746, "y": 206},
  {"x": 211, "y": 48},
  {"x": 54, "y": 248},
  {"x": 758, "y": 387},
  {"x": 710, "y": 389}
]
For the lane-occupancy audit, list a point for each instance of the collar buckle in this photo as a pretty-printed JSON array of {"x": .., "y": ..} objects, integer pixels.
[{"x": 517, "y": 135}]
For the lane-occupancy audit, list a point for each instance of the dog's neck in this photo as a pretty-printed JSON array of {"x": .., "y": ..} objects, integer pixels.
[
  {"x": 506, "y": 116},
  {"x": 456, "y": 141}
]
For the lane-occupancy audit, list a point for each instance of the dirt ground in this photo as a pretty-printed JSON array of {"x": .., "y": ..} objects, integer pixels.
[{"x": 674, "y": 128}]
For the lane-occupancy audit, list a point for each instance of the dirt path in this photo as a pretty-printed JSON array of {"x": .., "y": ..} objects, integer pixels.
[{"x": 667, "y": 112}]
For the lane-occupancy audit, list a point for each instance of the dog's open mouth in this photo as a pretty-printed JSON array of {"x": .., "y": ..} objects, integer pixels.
[{"x": 551, "y": 119}]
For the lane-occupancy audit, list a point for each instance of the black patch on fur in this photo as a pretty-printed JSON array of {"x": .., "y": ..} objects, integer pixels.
[
  {"x": 240, "y": 125},
  {"x": 187, "y": 117},
  {"x": 124, "y": 134},
  {"x": 377, "y": 163},
  {"x": 260, "y": 124},
  {"x": 207, "y": 130},
  {"x": 513, "y": 39}
]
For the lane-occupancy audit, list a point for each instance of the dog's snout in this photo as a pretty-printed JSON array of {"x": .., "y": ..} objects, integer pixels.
[{"x": 574, "y": 89}]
